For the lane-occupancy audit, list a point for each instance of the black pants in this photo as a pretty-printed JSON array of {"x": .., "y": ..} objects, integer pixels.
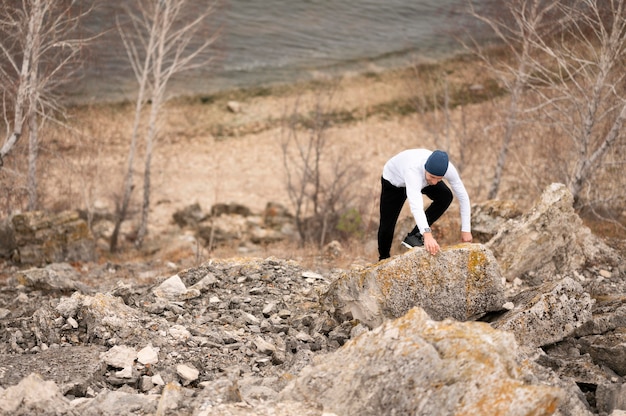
[{"x": 391, "y": 201}]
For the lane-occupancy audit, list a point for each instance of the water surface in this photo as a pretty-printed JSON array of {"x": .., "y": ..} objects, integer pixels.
[{"x": 272, "y": 41}]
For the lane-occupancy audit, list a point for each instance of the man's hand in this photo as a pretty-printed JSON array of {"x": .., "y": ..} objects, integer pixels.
[
  {"x": 430, "y": 244},
  {"x": 466, "y": 236}
]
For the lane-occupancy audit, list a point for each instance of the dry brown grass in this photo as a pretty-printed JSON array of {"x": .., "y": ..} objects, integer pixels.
[{"x": 208, "y": 154}]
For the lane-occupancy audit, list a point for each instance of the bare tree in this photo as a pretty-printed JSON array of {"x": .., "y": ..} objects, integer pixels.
[
  {"x": 570, "y": 68},
  {"x": 516, "y": 25},
  {"x": 40, "y": 45},
  {"x": 319, "y": 184},
  {"x": 583, "y": 84},
  {"x": 160, "y": 44}
]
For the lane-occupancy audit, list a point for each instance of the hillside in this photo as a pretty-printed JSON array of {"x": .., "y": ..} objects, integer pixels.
[
  {"x": 243, "y": 332},
  {"x": 227, "y": 147}
]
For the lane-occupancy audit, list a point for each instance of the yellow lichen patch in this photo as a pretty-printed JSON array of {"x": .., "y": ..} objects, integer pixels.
[
  {"x": 512, "y": 396},
  {"x": 410, "y": 320},
  {"x": 288, "y": 376},
  {"x": 22, "y": 279},
  {"x": 409, "y": 271},
  {"x": 388, "y": 278},
  {"x": 476, "y": 265}
]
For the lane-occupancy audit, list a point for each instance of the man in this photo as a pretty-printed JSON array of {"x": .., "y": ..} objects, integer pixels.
[{"x": 409, "y": 174}]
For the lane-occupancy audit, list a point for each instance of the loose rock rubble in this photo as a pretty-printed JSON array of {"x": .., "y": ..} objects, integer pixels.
[
  {"x": 255, "y": 320},
  {"x": 253, "y": 336}
]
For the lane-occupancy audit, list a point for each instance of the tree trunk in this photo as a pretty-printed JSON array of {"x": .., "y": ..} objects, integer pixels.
[
  {"x": 585, "y": 166},
  {"x": 33, "y": 150}
]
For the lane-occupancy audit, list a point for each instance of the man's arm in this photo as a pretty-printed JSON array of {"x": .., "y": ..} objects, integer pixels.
[
  {"x": 458, "y": 188},
  {"x": 414, "y": 185}
]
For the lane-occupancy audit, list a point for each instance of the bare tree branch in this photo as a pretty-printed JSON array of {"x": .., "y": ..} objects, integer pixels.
[
  {"x": 522, "y": 21},
  {"x": 39, "y": 49},
  {"x": 320, "y": 184},
  {"x": 159, "y": 45},
  {"x": 572, "y": 76}
]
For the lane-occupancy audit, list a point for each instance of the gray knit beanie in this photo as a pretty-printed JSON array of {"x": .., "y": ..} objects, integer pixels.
[{"x": 437, "y": 163}]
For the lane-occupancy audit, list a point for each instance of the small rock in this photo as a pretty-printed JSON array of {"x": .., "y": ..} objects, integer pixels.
[
  {"x": 263, "y": 346},
  {"x": 158, "y": 380},
  {"x": 72, "y": 322},
  {"x": 120, "y": 356},
  {"x": 179, "y": 333},
  {"x": 605, "y": 273},
  {"x": 188, "y": 373},
  {"x": 148, "y": 355},
  {"x": 234, "y": 107}
]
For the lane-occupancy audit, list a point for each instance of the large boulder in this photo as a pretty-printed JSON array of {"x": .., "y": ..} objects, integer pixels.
[
  {"x": 461, "y": 282},
  {"x": 42, "y": 238},
  {"x": 608, "y": 349},
  {"x": 34, "y": 396},
  {"x": 548, "y": 313},
  {"x": 190, "y": 216},
  {"x": 7, "y": 239},
  {"x": 423, "y": 367},
  {"x": 548, "y": 242},
  {"x": 490, "y": 216}
]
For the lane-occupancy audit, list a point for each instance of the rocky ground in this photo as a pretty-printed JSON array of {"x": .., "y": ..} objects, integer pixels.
[
  {"x": 238, "y": 319},
  {"x": 255, "y": 326},
  {"x": 244, "y": 336}
]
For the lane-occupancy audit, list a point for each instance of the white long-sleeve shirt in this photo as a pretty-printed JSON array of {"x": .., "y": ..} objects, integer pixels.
[{"x": 406, "y": 169}]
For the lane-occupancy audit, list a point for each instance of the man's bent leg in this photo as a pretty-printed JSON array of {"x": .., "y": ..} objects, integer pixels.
[
  {"x": 391, "y": 200},
  {"x": 441, "y": 196}
]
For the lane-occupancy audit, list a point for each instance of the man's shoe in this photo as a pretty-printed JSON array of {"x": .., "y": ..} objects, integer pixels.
[{"x": 415, "y": 240}]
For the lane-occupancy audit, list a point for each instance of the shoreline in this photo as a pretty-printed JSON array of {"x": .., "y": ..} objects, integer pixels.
[{"x": 448, "y": 62}]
